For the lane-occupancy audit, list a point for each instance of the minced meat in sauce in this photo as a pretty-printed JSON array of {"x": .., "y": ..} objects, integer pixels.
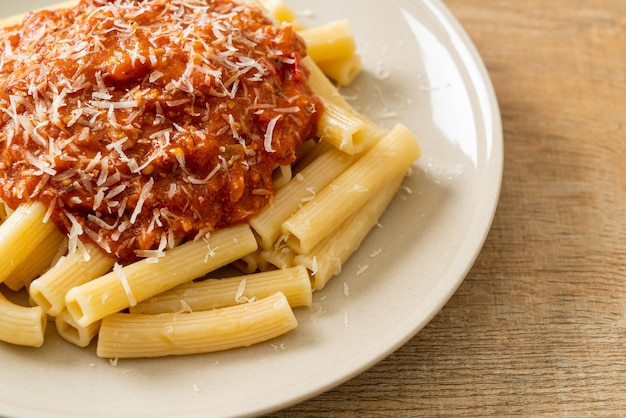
[{"x": 139, "y": 123}]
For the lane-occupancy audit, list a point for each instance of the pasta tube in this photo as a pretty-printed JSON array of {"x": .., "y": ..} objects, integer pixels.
[
  {"x": 281, "y": 176},
  {"x": 138, "y": 335},
  {"x": 279, "y": 257},
  {"x": 279, "y": 10},
  {"x": 247, "y": 264},
  {"x": 82, "y": 266},
  {"x": 340, "y": 125},
  {"x": 137, "y": 179},
  {"x": 301, "y": 189},
  {"x": 22, "y": 325},
  {"x": 342, "y": 70},
  {"x": 207, "y": 294},
  {"x": 341, "y": 128},
  {"x": 327, "y": 258},
  {"x": 48, "y": 251},
  {"x": 20, "y": 235},
  {"x": 390, "y": 157},
  {"x": 124, "y": 287},
  {"x": 323, "y": 87},
  {"x": 330, "y": 41},
  {"x": 70, "y": 331}
]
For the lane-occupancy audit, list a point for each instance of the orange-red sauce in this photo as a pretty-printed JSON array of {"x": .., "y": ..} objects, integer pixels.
[{"x": 139, "y": 123}]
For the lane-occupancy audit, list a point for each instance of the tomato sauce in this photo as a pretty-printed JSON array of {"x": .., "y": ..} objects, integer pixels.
[{"x": 142, "y": 123}]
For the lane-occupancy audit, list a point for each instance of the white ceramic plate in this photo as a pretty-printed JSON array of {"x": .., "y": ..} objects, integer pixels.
[{"x": 421, "y": 69}]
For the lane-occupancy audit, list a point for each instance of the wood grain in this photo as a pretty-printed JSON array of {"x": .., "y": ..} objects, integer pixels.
[{"x": 539, "y": 326}]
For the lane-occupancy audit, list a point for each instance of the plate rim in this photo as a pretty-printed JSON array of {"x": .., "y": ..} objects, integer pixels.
[{"x": 495, "y": 166}]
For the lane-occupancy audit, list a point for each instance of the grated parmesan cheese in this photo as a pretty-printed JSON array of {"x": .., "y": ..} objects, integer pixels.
[
  {"x": 362, "y": 269},
  {"x": 122, "y": 277},
  {"x": 269, "y": 134},
  {"x": 112, "y": 110}
]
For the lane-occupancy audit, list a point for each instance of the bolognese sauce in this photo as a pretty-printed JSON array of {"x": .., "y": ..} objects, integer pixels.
[{"x": 139, "y": 123}]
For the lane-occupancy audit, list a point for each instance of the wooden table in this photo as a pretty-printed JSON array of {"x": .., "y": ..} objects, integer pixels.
[{"x": 538, "y": 326}]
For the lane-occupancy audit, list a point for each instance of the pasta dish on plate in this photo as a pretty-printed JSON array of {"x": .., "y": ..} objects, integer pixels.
[{"x": 144, "y": 145}]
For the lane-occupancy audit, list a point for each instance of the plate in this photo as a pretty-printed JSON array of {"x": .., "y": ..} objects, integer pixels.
[{"x": 421, "y": 69}]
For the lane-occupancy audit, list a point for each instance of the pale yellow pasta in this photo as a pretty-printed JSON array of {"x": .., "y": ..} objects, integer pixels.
[
  {"x": 323, "y": 87},
  {"x": 310, "y": 151},
  {"x": 329, "y": 41},
  {"x": 82, "y": 266},
  {"x": 327, "y": 258},
  {"x": 390, "y": 157},
  {"x": 324, "y": 206},
  {"x": 139, "y": 335},
  {"x": 247, "y": 264},
  {"x": 124, "y": 287},
  {"x": 50, "y": 249},
  {"x": 333, "y": 49},
  {"x": 21, "y": 234},
  {"x": 347, "y": 131},
  {"x": 281, "y": 176},
  {"x": 279, "y": 257},
  {"x": 70, "y": 331},
  {"x": 22, "y": 325},
  {"x": 342, "y": 70},
  {"x": 294, "y": 283},
  {"x": 301, "y": 189},
  {"x": 340, "y": 125},
  {"x": 279, "y": 10},
  {"x": 330, "y": 95}
]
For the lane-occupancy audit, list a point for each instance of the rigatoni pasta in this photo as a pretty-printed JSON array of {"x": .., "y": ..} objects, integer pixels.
[
  {"x": 137, "y": 335},
  {"x": 303, "y": 188},
  {"x": 125, "y": 286},
  {"x": 342, "y": 70},
  {"x": 326, "y": 259},
  {"x": 82, "y": 266},
  {"x": 20, "y": 237},
  {"x": 293, "y": 282},
  {"x": 48, "y": 252},
  {"x": 329, "y": 42},
  {"x": 74, "y": 333},
  {"x": 160, "y": 163},
  {"x": 22, "y": 325},
  {"x": 387, "y": 159}
]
